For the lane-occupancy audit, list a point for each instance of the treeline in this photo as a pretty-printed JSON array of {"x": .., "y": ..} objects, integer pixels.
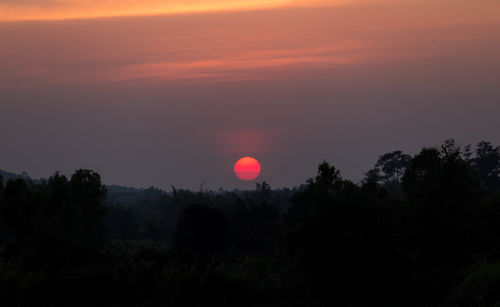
[
  {"x": 152, "y": 214},
  {"x": 418, "y": 230}
]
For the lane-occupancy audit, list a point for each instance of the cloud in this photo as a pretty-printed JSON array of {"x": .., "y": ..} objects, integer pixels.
[
  {"x": 16, "y": 10},
  {"x": 77, "y": 9},
  {"x": 228, "y": 47},
  {"x": 37, "y": 3}
]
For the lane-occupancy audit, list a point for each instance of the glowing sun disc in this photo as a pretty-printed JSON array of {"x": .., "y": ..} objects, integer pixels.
[{"x": 247, "y": 168}]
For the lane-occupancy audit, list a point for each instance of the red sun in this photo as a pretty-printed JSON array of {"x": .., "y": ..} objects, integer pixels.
[{"x": 247, "y": 168}]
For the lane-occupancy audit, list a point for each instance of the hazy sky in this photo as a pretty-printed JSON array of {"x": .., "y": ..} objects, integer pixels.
[{"x": 174, "y": 92}]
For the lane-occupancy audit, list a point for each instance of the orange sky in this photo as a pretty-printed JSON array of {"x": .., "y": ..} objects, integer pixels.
[
  {"x": 236, "y": 45},
  {"x": 15, "y": 10},
  {"x": 70, "y": 9}
]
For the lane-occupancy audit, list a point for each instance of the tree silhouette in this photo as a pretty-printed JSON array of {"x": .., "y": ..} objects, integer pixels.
[
  {"x": 264, "y": 188},
  {"x": 318, "y": 194},
  {"x": 419, "y": 231},
  {"x": 445, "y": 230},
  {"x": 389, "y": 170},
  {"x": 56, "y": 223},
  {"x": 487, "y": 165}
]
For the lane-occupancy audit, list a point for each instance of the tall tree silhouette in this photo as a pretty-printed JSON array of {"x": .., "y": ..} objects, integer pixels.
[
  {"x": 487, "y": 165},
  {"x": 389, "y": 170}
]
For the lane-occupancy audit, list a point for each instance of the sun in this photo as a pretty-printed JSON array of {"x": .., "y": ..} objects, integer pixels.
[{"x": 247, "y": 168}]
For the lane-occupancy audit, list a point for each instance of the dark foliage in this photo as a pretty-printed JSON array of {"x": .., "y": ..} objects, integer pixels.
[
  {"x": 202, "y": 230},
  {"x": 418, "y": 231}
]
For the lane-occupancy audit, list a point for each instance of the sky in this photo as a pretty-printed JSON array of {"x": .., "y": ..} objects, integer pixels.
[{"x": 160, "y": 93}]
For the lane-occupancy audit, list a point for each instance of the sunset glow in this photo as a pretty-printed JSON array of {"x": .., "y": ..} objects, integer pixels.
[{"x": 77, "y": 9}]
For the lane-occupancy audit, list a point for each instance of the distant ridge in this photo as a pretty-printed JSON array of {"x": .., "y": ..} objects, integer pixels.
[
  {"x": 116, "y": 193},
  {"x": 13, "y": 176},
  {"x": 122, "y": 195}
]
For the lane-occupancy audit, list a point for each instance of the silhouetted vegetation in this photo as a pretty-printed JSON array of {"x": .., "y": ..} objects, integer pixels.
[{"x": 418, "y": 230}]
